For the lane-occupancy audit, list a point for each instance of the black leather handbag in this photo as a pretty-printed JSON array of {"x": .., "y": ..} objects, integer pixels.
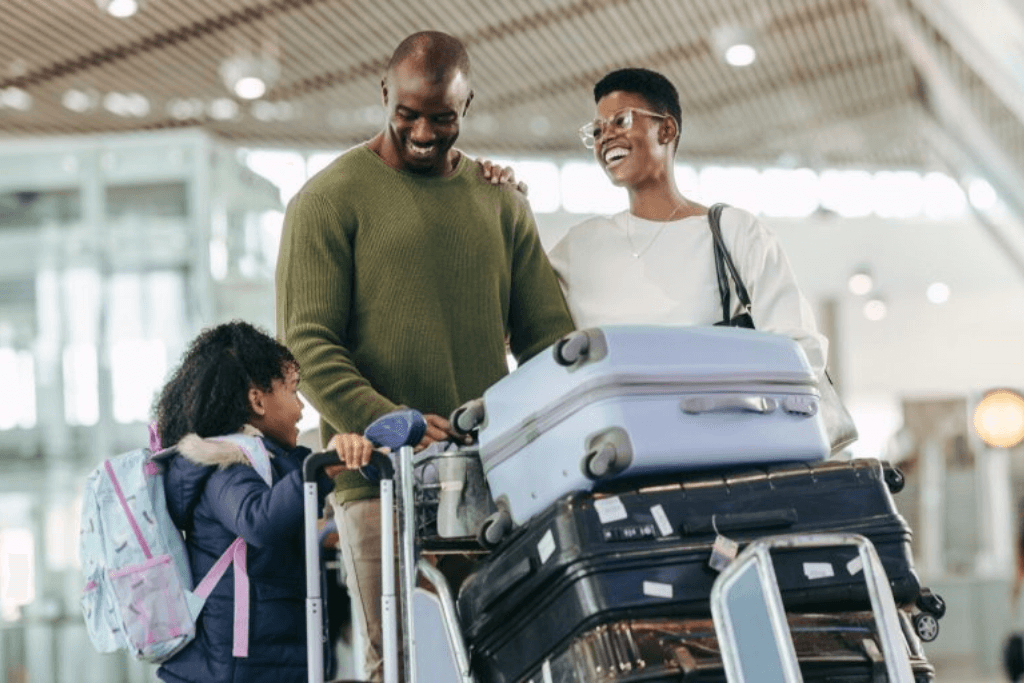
[{"x": 842, "y": 431}]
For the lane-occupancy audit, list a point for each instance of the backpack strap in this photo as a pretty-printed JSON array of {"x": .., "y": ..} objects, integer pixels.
[
  {"x": 127, "y": 510},
  {"x": 236, "y": 555}
]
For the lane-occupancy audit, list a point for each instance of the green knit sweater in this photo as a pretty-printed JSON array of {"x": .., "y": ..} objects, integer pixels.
[{"x": 399, "y": 290}]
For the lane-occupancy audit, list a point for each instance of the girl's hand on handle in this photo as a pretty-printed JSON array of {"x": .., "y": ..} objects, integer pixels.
[{"x": 353, "y": 450}]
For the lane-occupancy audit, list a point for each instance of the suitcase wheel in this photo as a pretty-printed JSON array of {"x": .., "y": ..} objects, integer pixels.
[
  {"x": 468, "y": 416},
  {"x": 894, "y": 479},
  {"x": 494, "y": 529},
  {"x": 927, "y": 626},
  {"x": 571, "y": 348},
  {"x": 608, "y": 452},
  {"x": 931, "y": 603}
]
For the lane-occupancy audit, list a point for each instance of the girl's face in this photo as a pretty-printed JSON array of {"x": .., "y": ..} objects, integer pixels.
[{"x": 278, "y": 412}]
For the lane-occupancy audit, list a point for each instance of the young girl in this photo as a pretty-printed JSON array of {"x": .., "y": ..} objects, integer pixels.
[{"x": 235, "y": 382}]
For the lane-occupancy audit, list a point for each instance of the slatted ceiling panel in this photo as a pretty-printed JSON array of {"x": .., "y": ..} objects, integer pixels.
[{"x": 820, "y": 62}]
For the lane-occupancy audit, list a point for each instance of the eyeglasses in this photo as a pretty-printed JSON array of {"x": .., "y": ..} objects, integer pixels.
[{"x": 621, "y": 120}]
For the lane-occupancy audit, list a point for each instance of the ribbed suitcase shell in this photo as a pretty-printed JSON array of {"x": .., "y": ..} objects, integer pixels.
[
  {"x": 652, "y": 386},
  {"x": 831, "y": 648},
  {"x": 591, "y": 558}
]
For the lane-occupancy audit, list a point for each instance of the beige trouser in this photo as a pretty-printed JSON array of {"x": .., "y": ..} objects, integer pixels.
[{"x": 359, "y": 541}]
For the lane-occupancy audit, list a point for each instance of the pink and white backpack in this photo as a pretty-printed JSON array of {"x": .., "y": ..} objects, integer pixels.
[{"x": 139, "y": 595}]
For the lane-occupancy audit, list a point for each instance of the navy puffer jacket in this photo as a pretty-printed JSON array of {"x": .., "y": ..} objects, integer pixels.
[{"x": 214, "y": 495}]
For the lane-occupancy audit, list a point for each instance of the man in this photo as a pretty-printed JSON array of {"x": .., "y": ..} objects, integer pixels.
[{"x": 401, "y": 273}]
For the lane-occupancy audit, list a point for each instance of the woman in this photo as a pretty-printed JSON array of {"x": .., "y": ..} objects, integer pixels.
[{"x": 654, "y": 264}]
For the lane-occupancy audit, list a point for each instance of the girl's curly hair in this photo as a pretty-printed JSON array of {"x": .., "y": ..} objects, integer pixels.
[{"x": 208, "y": 394}]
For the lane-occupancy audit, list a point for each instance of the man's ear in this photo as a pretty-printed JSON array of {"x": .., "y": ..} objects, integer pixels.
[
  {"x": 384, "y": 92},
  {"x": 256, "y": 402}
]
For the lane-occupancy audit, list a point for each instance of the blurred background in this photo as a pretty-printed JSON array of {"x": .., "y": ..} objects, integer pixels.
[{"x": 148, "y": 150}]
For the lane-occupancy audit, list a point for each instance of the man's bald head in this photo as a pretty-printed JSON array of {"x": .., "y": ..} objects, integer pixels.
[{"x": 436, "y": 55}]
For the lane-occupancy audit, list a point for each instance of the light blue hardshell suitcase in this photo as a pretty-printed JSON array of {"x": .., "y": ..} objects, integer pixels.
[{"x": 622, "y": 401}]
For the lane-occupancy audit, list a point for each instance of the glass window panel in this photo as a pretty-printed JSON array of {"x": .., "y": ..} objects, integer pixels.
[
  {"x": 848, "y": 193},
  {"x": 942, "y": 196},
  {"x": 30, "y": 209},
  {"x": 137, "y": 367},
  {"x": 17, "y": 571},
  {"x": 789, "y": 193},
  {"x": 81, "y": 385},
  {"x": 586, "y": 189},
  {"x": 287, "y": 170},
  {"x": 898, "y": 194},
  {"x": 168, "y": 200},
  {"x": 18, "y": 400},
  {"x": 735, "y": 185}
]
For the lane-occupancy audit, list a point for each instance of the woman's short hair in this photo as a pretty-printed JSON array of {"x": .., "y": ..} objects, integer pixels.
[{"x": 651, "y": 85}]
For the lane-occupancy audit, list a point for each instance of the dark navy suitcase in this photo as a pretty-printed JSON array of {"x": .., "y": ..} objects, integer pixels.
[
  {"x": 596, "y": 557},
  {"x": 830, "y": 648}
]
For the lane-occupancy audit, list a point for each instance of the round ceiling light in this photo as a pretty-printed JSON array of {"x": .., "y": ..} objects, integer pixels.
[{"x": 999, "y": 418}]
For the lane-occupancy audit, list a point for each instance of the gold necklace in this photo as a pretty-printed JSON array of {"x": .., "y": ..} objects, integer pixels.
[{"x": 632, "y": 247}]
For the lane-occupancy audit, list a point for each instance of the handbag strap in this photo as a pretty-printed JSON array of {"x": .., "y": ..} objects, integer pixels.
[{"x": 723, "y": 260}]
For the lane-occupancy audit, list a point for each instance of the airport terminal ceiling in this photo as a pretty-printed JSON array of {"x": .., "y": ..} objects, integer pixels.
[{"x": 835, "y": 82}]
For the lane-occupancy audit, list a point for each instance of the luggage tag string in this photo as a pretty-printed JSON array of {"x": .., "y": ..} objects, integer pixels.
[{"x": 723, "y": 550}]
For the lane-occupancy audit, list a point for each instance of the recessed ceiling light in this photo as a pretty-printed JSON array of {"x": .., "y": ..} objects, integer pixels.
[
  {"x": 223, "y": 109},
  {"x": 938, "y": 292},
  {"x": 15, "y": 98},
  {"x": 740, "y": 54},
  {"x": 250, "y": 88},
  {"x": 734, "y": 45},
  {"x": 249, "y": 76},
  {"x": 860, "y": 283},
  {"x": 875, "y": 310},
  {"x": 122, "y": 9},
  {"x": 79, "y": 100}
]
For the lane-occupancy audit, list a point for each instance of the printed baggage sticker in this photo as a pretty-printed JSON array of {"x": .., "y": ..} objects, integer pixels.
[
  {"x": 661, "y": 519},
  {"x": 546, "y": 546},
  {"x": 818, "y": 570},
  {"x": 723, "y": 552},
  {"x": 610, "y": 509},
  {"x": 855, "y": 565},
  {"x": 656, "y": 589}
]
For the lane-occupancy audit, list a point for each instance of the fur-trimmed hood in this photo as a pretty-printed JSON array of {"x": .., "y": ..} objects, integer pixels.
[
  {"x": 216, "y": 451},
  {"x": 194, "y": 459}
]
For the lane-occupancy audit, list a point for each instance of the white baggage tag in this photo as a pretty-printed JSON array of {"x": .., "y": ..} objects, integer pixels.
[{"x": 723, "y": 550}]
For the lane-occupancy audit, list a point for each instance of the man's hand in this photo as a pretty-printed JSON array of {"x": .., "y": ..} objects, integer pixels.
[
  {"x": 496, "y": 175},
  {"x": 438, "y": 429},
  {"x": 353, "y": 450}
]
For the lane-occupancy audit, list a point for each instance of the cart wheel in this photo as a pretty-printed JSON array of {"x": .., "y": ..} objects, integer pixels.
[
  {"x": 894, "y": 479},
  {"x": 571, "y": 348},
  {"x": 927, "y": 626},
  {"x": 494, "y": 529},
  {"x": 468, "y": 416},
  {"x": 931, "y": 603}
]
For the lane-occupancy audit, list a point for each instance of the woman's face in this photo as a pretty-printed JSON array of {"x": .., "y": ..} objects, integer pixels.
[{"x": 635, "y": 156}]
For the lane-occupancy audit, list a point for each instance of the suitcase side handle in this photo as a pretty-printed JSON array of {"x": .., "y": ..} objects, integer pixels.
[
  {"x": 740, "y": 521},
  {"x": 717, "y": 403}
]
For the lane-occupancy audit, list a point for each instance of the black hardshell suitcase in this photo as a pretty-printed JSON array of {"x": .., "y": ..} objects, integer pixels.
[
  {"x": 592, "y": 558},
  {"x": 831, "y": 648}
]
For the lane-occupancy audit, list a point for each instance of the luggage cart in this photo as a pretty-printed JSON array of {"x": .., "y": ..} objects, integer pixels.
[
  {"x": 420, "y": 524},
  {"x": 746, "y": 606},
  {"x": 433, "y": 647}
]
